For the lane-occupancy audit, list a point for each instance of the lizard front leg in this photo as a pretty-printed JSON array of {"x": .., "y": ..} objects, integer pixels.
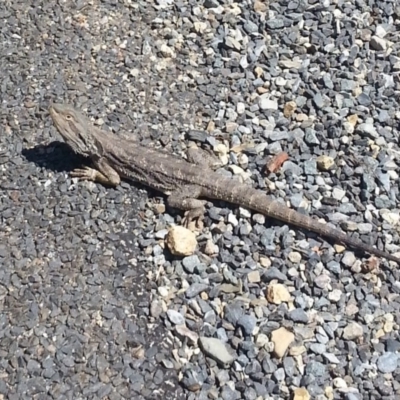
[
  {"x": 186, "y": 198},
  {"x": 102, "y": 173}
]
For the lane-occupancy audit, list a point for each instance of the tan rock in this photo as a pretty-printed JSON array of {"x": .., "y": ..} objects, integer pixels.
[
  {"x": 301, "y": 117},
  {"x": 352, "y": 119},
  {"x": 231, "y": 126},
  {"x": 301, "y": 394},
  {"x": 329, "y": 392},
  {"x": 297, "y": 350},
  {"x": 281, "y": 338},
  {"x": 158, "y": 208},
  {"x": 211, "y": 248},
  {"x": 265, "y": 262},
  {"x": 325, "y": 163},
  {"x": 260, "y": 6},
  {"x": 289, "y": 109},
  {"x": 253, "y": 277},
  {"x": 277, "y": 293},
  {"x": 181, "y": 241},
  {"x": 352, "y": 331},
  {"x": 258, "y": 71},
  {"x": 210, "y": 126}
]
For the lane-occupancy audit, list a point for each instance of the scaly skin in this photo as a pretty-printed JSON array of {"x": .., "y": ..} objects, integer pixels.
[{"x": 184, "y": 182}]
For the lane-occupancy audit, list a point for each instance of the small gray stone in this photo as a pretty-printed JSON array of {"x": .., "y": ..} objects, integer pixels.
[
  {"x": 247, "y": 323},
  {"x": 292, "y": 167},
  {"x": 190, "y": 262},
  {"x": 347, "y": 85},
  {"x": 378, "y": 43},
  {"x": 296, "y": 200},
  {"x": 250, "y": 27},
  {"x": 216, "y": 349},
  {"x": 364, "y": 100},
  {"x": 387, "y": 363},
  {"x": 156, "y": 309},
  {"x": 392, "y": 345},
  {"x": 310, "y": 167},
  {"x": 275, "y": 23},
  {"x": 279, "y": 374},
  {"x": 318, "y": 348},
  {"x": 315, "y": 368},
  {"x": 210, "y": 3},
  {"x": 279, "y": 135},
  {"x": 364, "y": 228},
  {"x": 274, "y": 273},
  {"x": 267, "y": 104},
  {"x": 383, "y": 116},
  {"x": 311, "y": 137},
  {"x": 233, "y": 313},
  {"x": 331, "y": 358},
  {"x": 195, "y": 289},
  {"x": 368, "y": 130},
  {"x": 349, "y": 258},
  {"x": 319, "y": 100},
  {"x": 298, "y": 315},
  {"x": 176, "y": 317}
]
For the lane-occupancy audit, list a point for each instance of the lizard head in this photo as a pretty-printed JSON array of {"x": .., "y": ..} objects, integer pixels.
[{"x": 76, "y": 130}]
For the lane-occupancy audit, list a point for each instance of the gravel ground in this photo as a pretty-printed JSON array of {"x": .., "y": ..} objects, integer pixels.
[{"x": 92, "y": 304}]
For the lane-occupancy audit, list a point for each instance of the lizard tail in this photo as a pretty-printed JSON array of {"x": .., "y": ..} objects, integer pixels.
[{"x": 258, "y": 201}]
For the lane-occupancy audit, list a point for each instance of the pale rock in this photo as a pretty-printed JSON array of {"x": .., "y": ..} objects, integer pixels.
[
  {"x": 181, "y": 241},
  {"x": 294, "y": 257},
  {"x": 216, "y": 349},
  {"x": 378, "y": 43},
  {"x": 277, "y": 293},
  {"x": 335, "y": 295},
  {"x": 267, "y": 104},
  {"x": 199, "y": 26},
  {"x": 289, "y": 109},
  {"x": 339, "y": 383},
  {"x": 167, "y": 52},
  {"x": 301, "y": 394},
  {"x": 184, "y": 331},
  {"x": 261, "y": 340},
  {"x": 281, "y": 338},
  {"x": 254, "y": 277},
  {"x": 352, "y": 331},
  {"x": 240, "y": 108},
  {"x": 325, "y": 163}
]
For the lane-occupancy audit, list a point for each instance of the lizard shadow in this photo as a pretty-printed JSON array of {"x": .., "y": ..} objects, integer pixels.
[
  {"x": 59, "y": 157},
  {"x": 56, "y": 156}
]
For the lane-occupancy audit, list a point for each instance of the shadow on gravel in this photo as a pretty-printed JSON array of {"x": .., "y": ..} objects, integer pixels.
[{"x": 56, "y": 156}]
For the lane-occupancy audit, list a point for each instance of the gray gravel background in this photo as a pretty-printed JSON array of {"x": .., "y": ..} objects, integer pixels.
[{"x": 93, "y": 307}]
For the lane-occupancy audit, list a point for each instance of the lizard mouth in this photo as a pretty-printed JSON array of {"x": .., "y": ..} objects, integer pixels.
[
  {"x": 52, "y": 112},
  {"x": 53, "y": 115}
]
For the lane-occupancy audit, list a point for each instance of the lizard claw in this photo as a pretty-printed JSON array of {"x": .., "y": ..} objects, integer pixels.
[{"x": 85, "y": 173}]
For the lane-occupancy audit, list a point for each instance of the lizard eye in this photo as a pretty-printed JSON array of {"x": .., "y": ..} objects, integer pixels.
[{"x": 68, "y": 117}]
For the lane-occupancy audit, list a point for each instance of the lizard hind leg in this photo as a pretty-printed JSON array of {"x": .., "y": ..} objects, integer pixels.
[{"x": 186, "y": 198}]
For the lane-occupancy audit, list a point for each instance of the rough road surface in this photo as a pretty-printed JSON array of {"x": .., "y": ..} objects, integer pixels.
[{"x": 92, "y": 305}]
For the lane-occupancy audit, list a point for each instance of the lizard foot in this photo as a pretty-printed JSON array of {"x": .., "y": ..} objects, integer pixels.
[
  {"x": 85, "y": 173},
  {"x": 195, "y": 215}
]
